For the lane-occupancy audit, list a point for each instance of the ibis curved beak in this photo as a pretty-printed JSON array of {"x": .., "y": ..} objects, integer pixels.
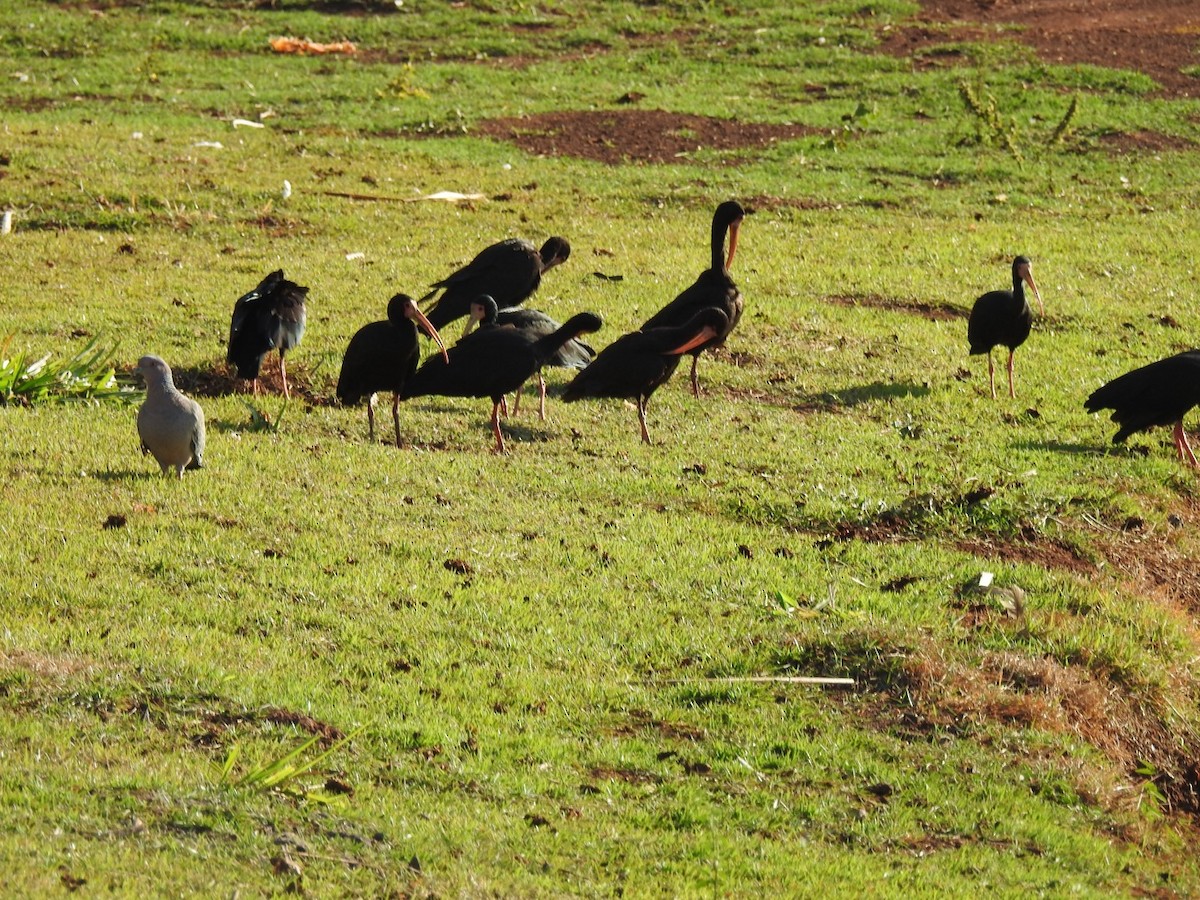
[
  {"x": 733, "y": 238},
  {"x": 474, "y": 318},
  {"x": 1028, "y": 276},
  {"x": 427, "y": 327}
]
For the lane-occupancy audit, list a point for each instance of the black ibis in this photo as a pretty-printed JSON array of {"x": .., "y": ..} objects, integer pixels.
[
  {"x": 493, "y": 362},
  {"x": 574, "y": 354},
  {"x": 508, "y": 271},
  {"x": 170, "y": 425},
  {"x": 714, "y": 287},
  {"x": 636, "y": 364},
  {"x": 382, "y": 356},
  {"x": 270, "y": 317},
  {"x": 1160, "y": 393},
  {"x": 1004, "y": 318}
]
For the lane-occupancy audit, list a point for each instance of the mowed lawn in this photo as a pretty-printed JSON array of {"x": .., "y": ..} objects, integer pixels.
[{"x": 752, "y": 658}]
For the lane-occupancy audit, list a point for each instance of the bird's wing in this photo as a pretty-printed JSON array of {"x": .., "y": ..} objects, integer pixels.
[
  {"x": 198, "y": 436},
  {"x": 490, "y": 261}
]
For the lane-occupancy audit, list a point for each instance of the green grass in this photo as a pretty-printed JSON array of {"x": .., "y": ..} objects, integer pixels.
[{"x": 526, "y": 669}]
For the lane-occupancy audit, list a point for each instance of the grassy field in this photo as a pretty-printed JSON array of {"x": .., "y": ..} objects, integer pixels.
[{"x": 564, "y": 671}]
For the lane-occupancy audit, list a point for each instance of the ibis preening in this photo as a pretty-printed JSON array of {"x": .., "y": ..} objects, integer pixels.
[
  {"x": 714, "y": 288},
  {"x": 574, "y": 354},
  {"x": 270, "y": 317},
  {"x": 635, "y": 365},
  {"x": 493, "y": 362}
]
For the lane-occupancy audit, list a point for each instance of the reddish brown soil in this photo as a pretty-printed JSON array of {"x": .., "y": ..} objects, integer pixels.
[
  {"x": 636, "y": 135},
  {"x": 1158, "y": 37}
]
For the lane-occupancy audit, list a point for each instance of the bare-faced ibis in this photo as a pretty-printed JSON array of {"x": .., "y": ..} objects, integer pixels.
[
  {"x": 1160, "y": 393},
  {"x": 170, "y": 425},
  {"x": 714, "y": 288},
  {"x": 574, "y": 354},
  {"x": 636, "y": 364},
  {"x": 1004, "y": 318},
  {"x": 270, "y": 317},
  {"x": 382, "y": 356},
  {"x": 508, "y": 271},
  {"x": 493, "y": 362}
]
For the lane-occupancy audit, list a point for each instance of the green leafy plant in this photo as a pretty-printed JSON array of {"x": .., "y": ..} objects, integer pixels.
[
  {"x": 1063, "y": 128},
  {"x": 991, "y": 127},
  {"x": 88, "y": 375},
  {"x": 280, "y": 774},
  {"x": 261, "y": 421}
]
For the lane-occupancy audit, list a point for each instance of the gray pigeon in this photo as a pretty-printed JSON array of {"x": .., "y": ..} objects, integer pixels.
[{"x": 170, "y": 425}]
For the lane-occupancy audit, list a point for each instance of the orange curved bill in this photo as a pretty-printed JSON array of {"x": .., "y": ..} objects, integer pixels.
[
  {"x": 1029, "y": 281},
  {"x": 733, "y": 238},
  {"x": 427, "y": 326}
]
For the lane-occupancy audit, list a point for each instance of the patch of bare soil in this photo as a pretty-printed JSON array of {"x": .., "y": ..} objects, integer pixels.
[
  {"x": 1144, "y": 142},
  {"x": 1042, "y": 693},
  {"x": 1047, "y": 553},
  {"x": 932, "y": 311},
  {"x": 1156, "y": 569},
  {"x": 220, "y": 381},
  {"x": 931, "y": 695},
  {"x": 1157, "y": 37},
  {"x": 633, "y": 136}
]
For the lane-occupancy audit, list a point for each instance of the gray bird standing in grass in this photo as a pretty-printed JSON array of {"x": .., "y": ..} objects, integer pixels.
[{"x": 170, "y": 425}]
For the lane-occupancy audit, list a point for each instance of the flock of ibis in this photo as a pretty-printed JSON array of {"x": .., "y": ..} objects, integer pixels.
[{"x": 512, "y": 344}]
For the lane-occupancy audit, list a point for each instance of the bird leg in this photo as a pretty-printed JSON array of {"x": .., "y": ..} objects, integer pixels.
[
  {"x": 516, "y": 404},
  {"x": 371, "y": 417},
  {"x": 496, "y": 427},
  {"x": 504, "y": 406},
  {"x": 283, "y": 376},
  {"x": 396, "y": 414},
  {"x": 1182, "y": 445},
  {"x": 991, "y": 375},
  {"x": 641, "y": 403},
  {"x": 695, "y": 380},
  {"x": 541, "y": 397},
  {"x": 1012, "y": 391}
]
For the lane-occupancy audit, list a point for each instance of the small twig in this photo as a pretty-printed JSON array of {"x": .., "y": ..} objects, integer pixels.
[
  {"x": 378, "y": 197},
  {"x": 448, "y": 196},
  {"x": 760, "y": 679}
]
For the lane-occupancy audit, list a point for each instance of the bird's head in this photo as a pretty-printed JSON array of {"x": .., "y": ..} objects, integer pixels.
[
  {"x": 1023, "y": 269},
  {"x": 154, "y": 370},
  {"x": 556, "y": 250},
  {"x": 728, "y": 218}
]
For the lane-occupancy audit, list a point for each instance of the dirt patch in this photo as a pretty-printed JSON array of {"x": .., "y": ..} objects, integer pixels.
[
  {"x": 633, "y": 136},
  {"x": 932, "y": 311},
  {"x": 1157, "y": 37},
  {"x": 218, "y": 722},
  {"x": 1144, "y": 142},
  {"x": 921, "y": 694},
  {"x": 50, "y": 667},
  {"x": 1156, "y": 570},
  {"x": 1046, "y": 553},
  {"x": 1042, "y": 693},
  {"x": 220, "y": 381}
]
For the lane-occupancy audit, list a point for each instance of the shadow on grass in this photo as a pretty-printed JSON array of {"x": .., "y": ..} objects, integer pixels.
[
  {"x": 854, "y": 396},
  {"x": 115, "y": 475},
  {"x": 219, "y": 380},
  {"x": 1081, "y": 449}
]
